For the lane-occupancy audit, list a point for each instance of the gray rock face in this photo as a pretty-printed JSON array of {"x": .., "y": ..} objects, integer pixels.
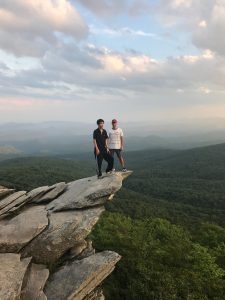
[
  {"x": 10, "y": 199},
  {"x": 36, "y": 279},
  {"x": 20, "y": 230},
  {"x": 88, "y": 192},
  {"x": 5, "y": 192},
  {"x": 65, "y": 230},
  {"x": 12, "y": 271},
  {"x": 54, "y": 234},
  {"x": 38, "y": 192},
  {"x": 49, "y": 193},
  {"x": 78, "y": 279},
  {"x": 77, "y": 196},
  {"x": 13, "y": 203}
]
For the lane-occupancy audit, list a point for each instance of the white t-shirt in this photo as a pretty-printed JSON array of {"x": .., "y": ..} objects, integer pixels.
[{"x": 115, "y": 138}]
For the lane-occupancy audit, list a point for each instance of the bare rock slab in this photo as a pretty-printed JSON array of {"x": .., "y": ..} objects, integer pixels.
[
  {"x": 12, "y": 271},
  {"x": 5, "y": 192},
  {"x": 36, "y": 279},
  {"x": 20, "y": 230},
  {"x": 53, "y": 193},
  {"x": 38, "y": 192},
  {"x": 10, "y": 199},
  {"x": 64, "y": 231},
  {"x": 88, "y": 192},
  {"x": 75, "y": 281},
  {"x": 15, "y": 205}
]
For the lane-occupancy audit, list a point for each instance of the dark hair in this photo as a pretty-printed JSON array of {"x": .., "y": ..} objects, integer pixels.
[{"x": 100, "y": 121}]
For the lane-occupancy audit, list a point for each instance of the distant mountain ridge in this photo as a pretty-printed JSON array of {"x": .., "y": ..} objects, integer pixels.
[{"x": 59, "y": 138}]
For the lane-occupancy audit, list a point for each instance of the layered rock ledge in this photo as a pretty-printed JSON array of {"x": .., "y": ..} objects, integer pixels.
[{"x": 44, "y": 253}]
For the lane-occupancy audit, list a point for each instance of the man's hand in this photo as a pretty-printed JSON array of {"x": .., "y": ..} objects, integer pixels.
[
  {"x": 96, "y": 147},
  {"x": 97, "y": 151},
  {"x": 107, "y": 149},
  {"x": 122, "y": 147}
]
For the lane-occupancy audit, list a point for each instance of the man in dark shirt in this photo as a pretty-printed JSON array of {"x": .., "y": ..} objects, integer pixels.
[{"x": 101, "y": 150}]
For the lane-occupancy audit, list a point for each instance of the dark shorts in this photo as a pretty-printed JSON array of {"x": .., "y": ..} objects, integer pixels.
[{"x": 117, "y": 151}]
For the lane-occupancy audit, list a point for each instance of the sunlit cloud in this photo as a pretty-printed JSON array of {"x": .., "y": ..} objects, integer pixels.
[
  {"x": 28, "y": 27},
  {"x": 80, "y": 54}
]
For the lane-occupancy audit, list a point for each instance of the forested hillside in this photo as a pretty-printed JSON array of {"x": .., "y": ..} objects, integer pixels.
[{"x": 167, "y": 222}]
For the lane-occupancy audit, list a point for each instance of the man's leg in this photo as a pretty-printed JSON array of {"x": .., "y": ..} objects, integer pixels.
[
  {"x": 112, "y": 151},
  {"x": 120, "y": 157},
  {"x": 110, "y": 160},
  {"x": 99, "y": 161}
]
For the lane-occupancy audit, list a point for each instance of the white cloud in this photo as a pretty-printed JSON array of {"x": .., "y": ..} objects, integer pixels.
[
  {"x": 204, "y": 90},
  {"x": 204, "y": 20},
  {"x": 212, "y": 35},
  {"x": 180, "y": 3},
  {"x": 119, "y": 32},
  {"x": 29, "y": 27},
  {"x": 66, "y": 71},
  {"x": 202, "y": 23},
  {"x": 114, "y": 8},
  {"x": 82, "y": 72}
]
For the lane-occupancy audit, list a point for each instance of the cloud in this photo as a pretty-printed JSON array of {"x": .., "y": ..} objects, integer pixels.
[
  {"x": 211, "y": 35},
  {"x": 120, "y": 32},
  {"x": 103, "y": 7},
  {"x": 108, "y": 8},
  {"x": 29, "y": 27},
  {"x": 65, "y": 70},
  {"x": 82, "y": 72},
  {"x": 102, "y": 79},
  {"x": 204, "y": 20}
]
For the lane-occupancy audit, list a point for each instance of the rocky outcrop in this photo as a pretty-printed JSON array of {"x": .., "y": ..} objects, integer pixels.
[
  {"x": 17, "y": 232},
  {"x": 44, "y": 253},
  {"x": 12, "y": 274},
  {"x": 78, "y": 279},
  {"x": 5, "y": 191}
]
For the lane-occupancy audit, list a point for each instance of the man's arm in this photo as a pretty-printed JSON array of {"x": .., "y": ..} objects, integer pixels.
[
  {"x": 122, "y": 140},
  {"x": 96, "y": 146},
  {"x": 107, "y": 142},
  {"x": 95, "y": 143}
]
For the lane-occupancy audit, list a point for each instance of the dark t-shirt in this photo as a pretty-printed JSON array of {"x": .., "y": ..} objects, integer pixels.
[{"x": 100, "y": 138}]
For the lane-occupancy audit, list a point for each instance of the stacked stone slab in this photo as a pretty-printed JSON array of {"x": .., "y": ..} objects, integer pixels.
[{"x": 44, "y": 253}]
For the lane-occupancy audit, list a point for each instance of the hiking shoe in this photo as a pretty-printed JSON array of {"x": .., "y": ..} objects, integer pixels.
[
  {"x": 124, "y": 170},
  {"x": 109, "y": 172},
  {"x": 99, "y": 175}
]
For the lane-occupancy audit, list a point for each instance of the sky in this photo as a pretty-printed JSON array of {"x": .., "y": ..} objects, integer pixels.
[{"x": 134, "y": 60}]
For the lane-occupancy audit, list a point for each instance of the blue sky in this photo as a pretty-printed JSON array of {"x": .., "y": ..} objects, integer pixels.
[
  {"x": 151, "y": 37},
  {"x": 161, "y": 60}
]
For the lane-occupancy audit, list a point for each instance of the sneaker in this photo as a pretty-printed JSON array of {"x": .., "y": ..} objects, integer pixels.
[
  {"x": 109, "y": 172},
  {"x": 124, "y": 170},
  {"x": 99, "y": 175}
]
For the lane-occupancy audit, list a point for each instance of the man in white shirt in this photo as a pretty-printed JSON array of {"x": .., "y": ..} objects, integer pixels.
[{"x": 116, "y": 142}]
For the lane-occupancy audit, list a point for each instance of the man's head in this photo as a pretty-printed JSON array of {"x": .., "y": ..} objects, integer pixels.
[
  {"x": 114, "y": 123},
  {"x": 100, "y": 123}
]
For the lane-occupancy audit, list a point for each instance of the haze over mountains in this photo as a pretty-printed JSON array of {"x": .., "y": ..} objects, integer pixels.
[{"x": 75, "y": 137}]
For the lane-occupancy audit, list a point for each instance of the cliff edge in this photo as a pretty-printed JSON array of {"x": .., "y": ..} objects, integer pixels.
[{"x": 44, "y": 253}]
